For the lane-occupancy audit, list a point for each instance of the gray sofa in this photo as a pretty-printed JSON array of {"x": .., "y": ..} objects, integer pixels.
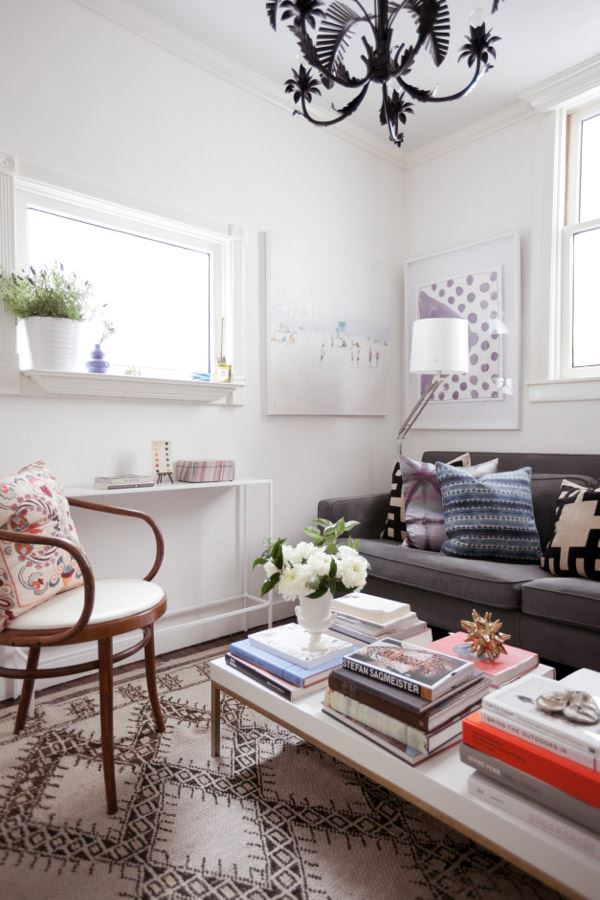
[{"x": 559, "y": 618}]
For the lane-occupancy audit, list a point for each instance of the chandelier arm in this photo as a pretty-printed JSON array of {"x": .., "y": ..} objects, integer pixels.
[
  {"x": 366, "y": 14},
  {"x": 419, "y": 95},
  {"x": 314, "y": 61},
  {"x": 344, "y": 113}
]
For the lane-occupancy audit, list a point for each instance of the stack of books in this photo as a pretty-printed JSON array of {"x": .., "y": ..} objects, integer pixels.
[
  {"x": 279, "y": 659},
  {"x": 405, "y": 698},
  {"x": 512, "y": 664},
  {"x": 543, "y": 768},
  {"x": 366, "y": 618}
]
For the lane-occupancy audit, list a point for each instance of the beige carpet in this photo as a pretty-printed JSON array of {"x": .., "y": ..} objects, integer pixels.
[{"x": 273, "y": 818}]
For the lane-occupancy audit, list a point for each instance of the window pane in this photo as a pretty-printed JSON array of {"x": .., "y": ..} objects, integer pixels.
[
  {"x": 586, "y": 298},
  {"x": 157, "y": 294},
  {"x": 590, "y": 170}
]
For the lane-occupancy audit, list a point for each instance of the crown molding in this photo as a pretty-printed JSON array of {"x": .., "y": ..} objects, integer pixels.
[
  {"x": 581, "y": 82},
  {"x": 510, "y": 115},
  {"x": 155, "y": 31}
]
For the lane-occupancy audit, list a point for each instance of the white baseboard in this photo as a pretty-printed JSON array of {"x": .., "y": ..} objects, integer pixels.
[{"x": 177, "y": 629}]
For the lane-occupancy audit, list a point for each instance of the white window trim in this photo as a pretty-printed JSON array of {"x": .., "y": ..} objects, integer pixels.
[
  {"x": 553, "y": 101},
  {"x": 572, "y": 227},
  {"x": 28, "y": 186}
]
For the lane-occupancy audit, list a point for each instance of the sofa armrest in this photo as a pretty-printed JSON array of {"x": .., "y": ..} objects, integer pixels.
[{"x": 369, "y": 509}]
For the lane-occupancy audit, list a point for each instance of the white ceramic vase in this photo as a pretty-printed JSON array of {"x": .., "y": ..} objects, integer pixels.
[
  {"x": 315, "y": 616},
  {"x": 53, "y": 343}
]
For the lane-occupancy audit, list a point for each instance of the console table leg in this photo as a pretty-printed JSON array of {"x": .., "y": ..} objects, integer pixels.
[{"x": 215, "y": 720}]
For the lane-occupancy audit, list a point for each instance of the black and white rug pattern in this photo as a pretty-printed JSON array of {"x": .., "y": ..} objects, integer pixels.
[{"x": 271, "y": 818}]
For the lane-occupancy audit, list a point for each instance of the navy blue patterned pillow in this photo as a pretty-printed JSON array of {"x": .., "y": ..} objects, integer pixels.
[{"x": 490, "y": 517}]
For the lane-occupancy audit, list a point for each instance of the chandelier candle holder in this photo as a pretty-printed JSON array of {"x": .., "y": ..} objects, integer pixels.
[{"x": 327, "y": 32}]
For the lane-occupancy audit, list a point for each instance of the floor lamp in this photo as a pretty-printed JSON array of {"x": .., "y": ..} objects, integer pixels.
[{"x": 439, "y": 347}]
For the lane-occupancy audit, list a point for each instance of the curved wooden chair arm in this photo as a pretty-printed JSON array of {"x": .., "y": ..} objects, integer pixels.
[
  {"x": 24, "y": 537},
  {"x": 118, "y": 511}
]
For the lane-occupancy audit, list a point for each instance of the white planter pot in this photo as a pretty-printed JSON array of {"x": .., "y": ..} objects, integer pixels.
[
  {"x": 53, "y": 343},
  {"x": 315, "y": 617}
]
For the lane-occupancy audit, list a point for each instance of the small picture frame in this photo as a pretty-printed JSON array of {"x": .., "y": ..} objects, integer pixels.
[{"x": 162, "y": 460}]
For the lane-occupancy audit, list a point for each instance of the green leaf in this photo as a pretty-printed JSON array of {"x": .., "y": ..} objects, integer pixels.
[
  {"x": 331, "y": 549},
  {"x": 259, "y": 561},
  {"x": 329, "y": 532},
  {"x": 320, "y": 592},
  {"x": 322, "y": 523},
  {"x": 270, "y": 583},
  {"x": 351, "y": 524},
  {"x": 333, "y": 569},
  {"x": 313, "y": 533},
  {"x": 277, "y": 552},
  {"x": 340, "y": 527}
]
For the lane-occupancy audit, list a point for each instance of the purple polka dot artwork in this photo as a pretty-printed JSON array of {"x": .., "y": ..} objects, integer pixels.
[{"x": 476, "y": 297}]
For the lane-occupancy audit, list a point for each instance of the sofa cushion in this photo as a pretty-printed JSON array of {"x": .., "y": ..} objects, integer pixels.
[
  {"x": 395, "y": 521},
  {"x": 480, "y": 582},
  {"x": 423, "y": 512},
  {"x": 575, "y": 546},
  {"x": 544, "y": 494},
  {"x": 570, "y": 601},
  {"x": 489, "y": 517}
]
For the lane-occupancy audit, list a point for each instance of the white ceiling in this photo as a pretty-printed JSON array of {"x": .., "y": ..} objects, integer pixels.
[{"x": 539, "y": 39}]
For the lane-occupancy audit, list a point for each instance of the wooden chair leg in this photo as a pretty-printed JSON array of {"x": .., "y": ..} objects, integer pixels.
[
  {"x": 150, "y": 658},
  {"x": 105, "y": 660},
  {"x": 27, "y": 689}
]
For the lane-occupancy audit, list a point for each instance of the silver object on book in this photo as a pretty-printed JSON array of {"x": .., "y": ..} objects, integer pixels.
[{"x": 576, "y": 706}]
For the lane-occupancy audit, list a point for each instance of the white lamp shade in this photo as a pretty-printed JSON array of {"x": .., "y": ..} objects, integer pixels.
[{"x": 439, "y": 345}]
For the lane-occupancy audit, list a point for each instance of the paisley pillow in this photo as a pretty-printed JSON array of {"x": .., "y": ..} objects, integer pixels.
[{"x": 32, "y": 502}]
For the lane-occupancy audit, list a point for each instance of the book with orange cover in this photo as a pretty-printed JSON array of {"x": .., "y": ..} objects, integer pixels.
[{"x": 561, "y": 773}]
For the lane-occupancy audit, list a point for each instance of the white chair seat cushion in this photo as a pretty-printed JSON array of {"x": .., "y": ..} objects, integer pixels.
[{"x": 115, "y": 598}]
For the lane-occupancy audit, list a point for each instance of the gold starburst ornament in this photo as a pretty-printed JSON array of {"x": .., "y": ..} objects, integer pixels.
[{"x": 484, "y": 636}]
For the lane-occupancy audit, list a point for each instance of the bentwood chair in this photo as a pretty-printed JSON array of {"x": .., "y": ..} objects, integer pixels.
[{"x": 99, "y": 610}]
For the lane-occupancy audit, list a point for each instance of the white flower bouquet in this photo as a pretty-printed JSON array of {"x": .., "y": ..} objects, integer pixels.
[{"x": 312, "y": 568}]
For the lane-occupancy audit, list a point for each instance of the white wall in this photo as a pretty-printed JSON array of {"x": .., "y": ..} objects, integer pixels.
[
  {"x": 83, "y": 97},
  {"x": 481, "y": 190}
]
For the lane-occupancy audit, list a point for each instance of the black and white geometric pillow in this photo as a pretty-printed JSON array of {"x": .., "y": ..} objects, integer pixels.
[
  {"x": 395, "y": 520},
  {"x": 575, "y": 546}
]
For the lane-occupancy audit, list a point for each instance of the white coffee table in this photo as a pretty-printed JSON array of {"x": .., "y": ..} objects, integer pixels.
[{"x": 438, "y": 785}]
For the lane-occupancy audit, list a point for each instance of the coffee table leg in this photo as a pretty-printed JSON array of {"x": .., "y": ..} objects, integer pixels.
[{"x": 215, "y": 720}]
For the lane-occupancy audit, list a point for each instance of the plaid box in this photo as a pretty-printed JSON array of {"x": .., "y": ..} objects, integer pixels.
[{"x": 204, "y": 470}]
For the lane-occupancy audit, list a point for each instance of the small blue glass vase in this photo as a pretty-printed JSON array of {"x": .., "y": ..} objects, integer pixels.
[{"x": 97, "y": 364}]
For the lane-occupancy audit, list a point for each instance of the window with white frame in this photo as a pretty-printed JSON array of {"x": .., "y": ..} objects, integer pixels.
[
  {"x": 161, "y": 284},
  {"x": 580, "y": 346}
]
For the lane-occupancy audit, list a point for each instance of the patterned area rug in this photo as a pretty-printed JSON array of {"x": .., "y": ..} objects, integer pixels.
[{"x": 272, "y": 818}]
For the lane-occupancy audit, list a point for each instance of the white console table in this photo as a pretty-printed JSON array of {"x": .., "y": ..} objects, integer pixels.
[{"x": 241, "y": 485}]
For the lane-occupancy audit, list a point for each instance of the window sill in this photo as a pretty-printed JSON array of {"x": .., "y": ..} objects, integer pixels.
[
  {"x": 39, "y": 383},
  {"x": 563, "y": 390}
]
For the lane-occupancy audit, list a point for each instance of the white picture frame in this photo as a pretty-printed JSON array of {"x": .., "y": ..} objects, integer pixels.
[
  {"x": 482, "y": 283},
  {"x": 328, "y": 330}
]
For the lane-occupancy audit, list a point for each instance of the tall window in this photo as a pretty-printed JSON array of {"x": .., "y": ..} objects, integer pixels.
[{"x": 581, "y": 246}]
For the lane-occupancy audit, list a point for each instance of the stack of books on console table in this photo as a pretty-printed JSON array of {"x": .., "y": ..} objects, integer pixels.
[
  {"x": 366, "y": 618},
  {"x": 278, "y": 658},
  {"x": 405, "y": 698},
  {"x": 541, "y": 767}
]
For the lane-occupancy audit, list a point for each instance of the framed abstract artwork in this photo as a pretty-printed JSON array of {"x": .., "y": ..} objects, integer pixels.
[
  {"x": 480, "y": 283},
  {"x": 327, "y": 330}
]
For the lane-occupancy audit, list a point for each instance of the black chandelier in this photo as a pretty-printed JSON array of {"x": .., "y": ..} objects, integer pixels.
[{"x": 386, "y": 63}]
